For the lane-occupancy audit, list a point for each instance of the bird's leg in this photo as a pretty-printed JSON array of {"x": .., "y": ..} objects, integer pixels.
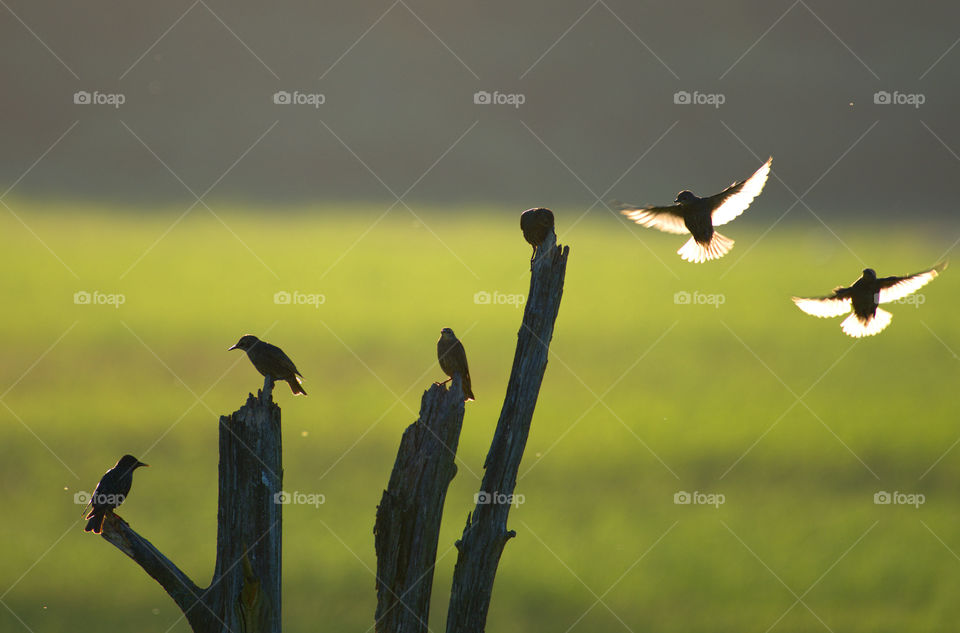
[{"x": 110, "y": 519}]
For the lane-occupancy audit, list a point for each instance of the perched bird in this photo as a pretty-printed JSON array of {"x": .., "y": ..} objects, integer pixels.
[
  {"x": 698, "y": 216},
  {"x": 535, "y": 224},
  {"x": 864, "y": 297},
  {"x": 271, "y": 361},
  {"x": 453, "y": 360},
  {"x": 113, "y": 488}
]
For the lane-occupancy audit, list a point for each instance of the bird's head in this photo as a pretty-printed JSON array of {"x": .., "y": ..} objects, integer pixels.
[
  {"x": 446, "y": 333},
  {"x": 245, "y": 343},
  {"x": 869, "y": 273},
  {"x": 129, "y": 463},
  {"x": 543, "y": 213},
  {"x": 684, "y": 197}
]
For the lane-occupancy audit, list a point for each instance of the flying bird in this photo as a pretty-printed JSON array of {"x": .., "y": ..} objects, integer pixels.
[
  {"x": 696, "y": 216},
  {"x": 113, "y": 488},
  {"x": 535, "y": 224},
  {"x": 864, "y": 297},
  {"x": 453, "y": 360},
  {"x": 270, "y": 360}
]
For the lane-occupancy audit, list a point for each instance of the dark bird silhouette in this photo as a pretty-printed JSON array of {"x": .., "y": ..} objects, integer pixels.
[
  {"x": 697, "y": 216},
  {"x": 864, "y": 297},
  {"x": 453, "y": 360},
  {"x": 271, "y": 361},
  {"x": 113, "y": 488},
  {"x": 535, "y": 224}
]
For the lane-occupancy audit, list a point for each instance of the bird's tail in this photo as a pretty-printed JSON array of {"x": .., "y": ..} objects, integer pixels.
[
  {"x": 467, "y": 389},
  {"x": 717, "y": 247},
  {"x": 295, "y": 386},
  {"x": 95, "y": 522},
  {"x": 857, "y": 327}
]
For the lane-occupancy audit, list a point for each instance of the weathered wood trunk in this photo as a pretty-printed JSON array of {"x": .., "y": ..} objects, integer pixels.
[
  {"x": 247, "y": 572},
  {"x": 244, "y": 594},
  {"x": 486, "y": 534},
  {"x": 407, "y": 528}
]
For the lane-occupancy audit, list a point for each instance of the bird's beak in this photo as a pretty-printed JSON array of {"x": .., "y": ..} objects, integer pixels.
[
  {"x": 139, "y": 464},
  {"x": 230, "y": 348}
]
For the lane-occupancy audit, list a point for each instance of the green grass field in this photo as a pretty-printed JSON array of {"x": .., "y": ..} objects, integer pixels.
[{"x": 643, "y": 398}]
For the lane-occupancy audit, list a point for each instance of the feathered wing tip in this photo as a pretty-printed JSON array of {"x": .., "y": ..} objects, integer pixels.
[
  {"x": 857, "y": 328},
  {"x": 717, "y": 247},
  {"x": 466, "y": 387}
]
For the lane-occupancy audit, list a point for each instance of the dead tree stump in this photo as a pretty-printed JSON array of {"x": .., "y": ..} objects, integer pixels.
[
  {"x": 486, "y": 534},
  {"x": 408, "y": 518},
  {"x": 244, "y": 594}
]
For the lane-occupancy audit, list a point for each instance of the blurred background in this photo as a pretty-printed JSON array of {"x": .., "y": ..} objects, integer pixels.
[
  {"x": 344, "y": 180},
  {"x": 397, "y": 84}
]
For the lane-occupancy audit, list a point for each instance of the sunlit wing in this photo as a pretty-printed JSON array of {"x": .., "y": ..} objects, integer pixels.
[
  {"x": 824, "y": 307},
  {"x": 666, "y": 219},
  {"x": 738, "y": 196},
  {"x": 894, "y": 288}
]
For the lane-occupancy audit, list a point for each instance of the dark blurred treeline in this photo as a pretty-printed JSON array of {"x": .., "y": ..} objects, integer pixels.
[{"x": 387, "y": 93}]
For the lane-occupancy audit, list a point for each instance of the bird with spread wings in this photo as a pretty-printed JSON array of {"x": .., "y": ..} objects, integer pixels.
[
  {"x": 697, "y": 217},
  {"x": 863, "y": 297}
]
